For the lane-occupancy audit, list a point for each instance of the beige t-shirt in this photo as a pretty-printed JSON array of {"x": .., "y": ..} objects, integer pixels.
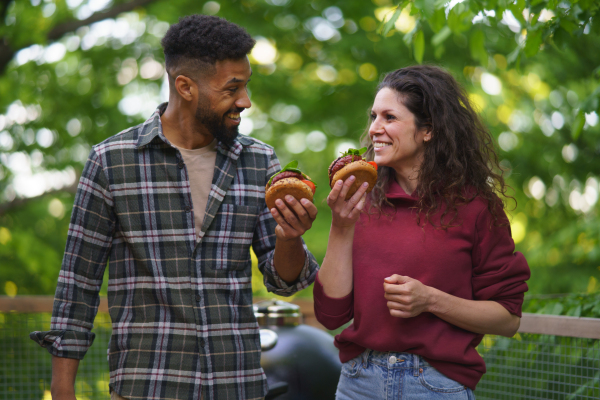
[{"x": 200, "y": 164}]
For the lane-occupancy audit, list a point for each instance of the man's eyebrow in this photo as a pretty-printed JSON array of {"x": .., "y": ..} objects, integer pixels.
[{"x": 236, "y": 80}]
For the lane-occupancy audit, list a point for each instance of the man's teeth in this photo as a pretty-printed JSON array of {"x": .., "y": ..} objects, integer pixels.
[
  {"x": 233, "y": 116},
  {"x": 379, "y": 145}
]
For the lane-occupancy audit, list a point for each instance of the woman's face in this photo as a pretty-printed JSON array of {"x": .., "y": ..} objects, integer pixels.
[{"x": 396, "y": 142}]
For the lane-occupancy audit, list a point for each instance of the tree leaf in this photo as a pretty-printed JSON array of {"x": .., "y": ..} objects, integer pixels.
[
  {"x": 533, "y": 42},
  {"x": 441, "y": 36},
  {"x": 426, "y": 6},
  {"x": 477, "y": 46},
  {"x": 438, "y": 20},
  {"x": 419, "y": 43},
  {"x": 389, "y": 24},
  {"x": 577, "y": 126}
]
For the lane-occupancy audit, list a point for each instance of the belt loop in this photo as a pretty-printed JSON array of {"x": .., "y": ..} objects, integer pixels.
[
  {"x": 366, "y": 355},
  {"x": 415, "y": 365}
]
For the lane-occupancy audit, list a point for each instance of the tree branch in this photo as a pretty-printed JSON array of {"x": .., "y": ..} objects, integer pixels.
[
  {"x": 70, "y": 26},
  {"x": 7, "y": 52},
  {"x": 20, "y": 202}
]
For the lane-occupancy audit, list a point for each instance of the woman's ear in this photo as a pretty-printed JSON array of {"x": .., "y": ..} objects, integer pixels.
[
  {"x": 428, "y": 135},
  {"x": 186, "y": 87}
]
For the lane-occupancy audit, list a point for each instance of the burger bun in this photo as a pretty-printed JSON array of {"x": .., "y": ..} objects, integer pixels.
[
  {"x": 292, "y": 186},
  {"x": 362, "y": 171}
]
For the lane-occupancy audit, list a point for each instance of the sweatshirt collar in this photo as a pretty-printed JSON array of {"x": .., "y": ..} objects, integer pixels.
[{"x": 395, "y": 191}]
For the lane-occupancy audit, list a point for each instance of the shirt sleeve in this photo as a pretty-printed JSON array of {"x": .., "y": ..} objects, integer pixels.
[
  {"x": 499, "y": 273},
  {"x": 264, "y": 247},
  {"x": 88, "y": 245},
  {"x": 332, "y": 312}
]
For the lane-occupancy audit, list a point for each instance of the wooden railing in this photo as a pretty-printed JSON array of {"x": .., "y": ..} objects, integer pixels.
[{"x": 530, "y": 323}]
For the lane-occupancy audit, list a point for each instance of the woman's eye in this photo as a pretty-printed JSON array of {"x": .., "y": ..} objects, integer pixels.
[
  {"x": 373, "y": 117},
  {"x": 390, "y": 116}
]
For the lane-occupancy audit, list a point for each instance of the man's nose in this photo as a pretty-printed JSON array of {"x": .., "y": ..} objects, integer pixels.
[{"x": 244, "y": 100}]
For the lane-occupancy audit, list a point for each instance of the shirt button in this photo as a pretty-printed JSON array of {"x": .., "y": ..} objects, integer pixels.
[
  {"x": 393, "y": 360},
  {"x": 202, "y": 343},
  {"x": 198, "y": 298},
  {"x": 180, "y": 165},
  {"x": 188, "y": 209}
]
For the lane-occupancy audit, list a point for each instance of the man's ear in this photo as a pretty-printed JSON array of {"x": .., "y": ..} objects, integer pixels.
[{"x": 186, "y": 87}]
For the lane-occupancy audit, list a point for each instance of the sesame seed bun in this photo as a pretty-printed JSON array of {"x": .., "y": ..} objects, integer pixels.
[
  {"x": 292, "y": 186},
  {"x": 362, "y": 171}
]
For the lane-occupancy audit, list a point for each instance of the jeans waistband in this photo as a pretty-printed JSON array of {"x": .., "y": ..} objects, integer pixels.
[{"x": 392, "y": 359}]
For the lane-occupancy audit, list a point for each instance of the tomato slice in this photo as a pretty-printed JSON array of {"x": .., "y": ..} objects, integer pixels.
[
  {"x": 373, "y": 163},
  {"x": 311, "y": 185}
]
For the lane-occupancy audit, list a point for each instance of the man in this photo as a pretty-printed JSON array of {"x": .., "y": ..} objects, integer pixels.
[{"x": 174, "y": 205}]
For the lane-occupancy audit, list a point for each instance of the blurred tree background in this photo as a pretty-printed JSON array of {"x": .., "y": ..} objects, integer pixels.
[{"x": 74, "y": 72}]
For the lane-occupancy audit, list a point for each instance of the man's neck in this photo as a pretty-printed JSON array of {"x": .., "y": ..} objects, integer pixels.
[{"x": 181, "y": 128}]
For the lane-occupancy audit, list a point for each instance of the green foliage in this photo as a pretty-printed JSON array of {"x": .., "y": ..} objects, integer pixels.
[
  {"x": 573, "y": 305},
  {"x": 536, "y": 83}
]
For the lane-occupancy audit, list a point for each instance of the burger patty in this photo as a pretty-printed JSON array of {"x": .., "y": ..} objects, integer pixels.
[
  {"x": 340, "y": 163},
  {"x": 286, "y": 174}
]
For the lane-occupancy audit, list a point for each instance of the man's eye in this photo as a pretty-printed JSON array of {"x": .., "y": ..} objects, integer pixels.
[{"x": 233, "y": 89}]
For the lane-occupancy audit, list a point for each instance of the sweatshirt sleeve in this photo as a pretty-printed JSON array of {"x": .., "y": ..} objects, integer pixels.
[
  {"x": 332, "y": 312},
  {"x": 499, "y": 273}
]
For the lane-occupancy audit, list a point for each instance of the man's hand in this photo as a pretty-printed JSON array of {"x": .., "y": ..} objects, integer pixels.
[
  {"x": 407, "y": 297},
  {"x": 293, "y": 219}
]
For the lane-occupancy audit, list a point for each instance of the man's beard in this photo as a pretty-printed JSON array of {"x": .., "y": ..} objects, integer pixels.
[{"x": 216, "y": 124}]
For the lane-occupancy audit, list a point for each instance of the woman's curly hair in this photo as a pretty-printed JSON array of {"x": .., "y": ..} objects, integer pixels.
[{"x": 459, "y": 162}]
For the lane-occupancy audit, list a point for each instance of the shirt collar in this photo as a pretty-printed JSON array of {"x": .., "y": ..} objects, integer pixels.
[{"x": 152, "y": 129}]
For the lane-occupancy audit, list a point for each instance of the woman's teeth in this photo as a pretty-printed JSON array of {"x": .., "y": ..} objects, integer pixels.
[{"x": 379, "y": 145}]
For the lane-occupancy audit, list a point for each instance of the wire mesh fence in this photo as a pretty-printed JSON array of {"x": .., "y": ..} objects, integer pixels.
[
  {"x": 25, "y": 367},
  {"x": 528, "y": 366},
  {"x": 534, "y": 366}
]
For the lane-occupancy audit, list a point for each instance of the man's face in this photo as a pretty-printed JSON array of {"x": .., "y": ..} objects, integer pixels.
[{"x": 222, "y": 97}]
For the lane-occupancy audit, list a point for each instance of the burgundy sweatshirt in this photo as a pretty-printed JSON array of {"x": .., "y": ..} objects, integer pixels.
[{"x": 475, "y": 261}]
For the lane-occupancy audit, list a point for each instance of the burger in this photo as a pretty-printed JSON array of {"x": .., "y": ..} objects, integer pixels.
[
  {"x": 351, "y": 163},
  {"x": 290, "y": 180}
]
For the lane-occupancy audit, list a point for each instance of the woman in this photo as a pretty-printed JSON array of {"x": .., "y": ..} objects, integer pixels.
[{"x": 428, "y": 267}]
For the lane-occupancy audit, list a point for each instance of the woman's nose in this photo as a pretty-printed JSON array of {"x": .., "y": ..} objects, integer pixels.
[{"x": 375, "y": 128}]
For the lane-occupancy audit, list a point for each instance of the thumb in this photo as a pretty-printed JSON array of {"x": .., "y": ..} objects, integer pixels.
[{"x": 397, "y": 279}]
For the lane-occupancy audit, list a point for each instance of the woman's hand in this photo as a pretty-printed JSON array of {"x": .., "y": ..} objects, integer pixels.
[
  {"x": 346, "y": 213},
  {"x": 407, "y": 297}
]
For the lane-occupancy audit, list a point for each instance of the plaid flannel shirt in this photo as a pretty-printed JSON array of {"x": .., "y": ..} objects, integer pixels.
[{"x": 181, "y": 305}]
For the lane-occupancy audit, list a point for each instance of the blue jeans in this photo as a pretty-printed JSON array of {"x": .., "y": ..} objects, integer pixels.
[{"x": 396, "y": 376}]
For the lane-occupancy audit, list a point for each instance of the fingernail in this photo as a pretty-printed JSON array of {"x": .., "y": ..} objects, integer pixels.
[
  {"x": 279, "y": 202},
  {"x": 289, "y": 198},
  {"x": 304, "y": 201},
  {"x": 365, "y": 184},
  {"x": 351, "y": 178},
  {"x": 339, "y": 183}
]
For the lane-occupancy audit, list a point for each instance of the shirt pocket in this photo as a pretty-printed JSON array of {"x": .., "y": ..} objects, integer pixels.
[{"x": 228, "y": 243}]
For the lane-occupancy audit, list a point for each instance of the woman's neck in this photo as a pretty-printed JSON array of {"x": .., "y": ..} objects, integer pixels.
[{"x": 408, "y": 179}]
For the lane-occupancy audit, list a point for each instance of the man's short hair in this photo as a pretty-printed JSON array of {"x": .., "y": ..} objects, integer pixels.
[{"x": 197, "y": 42}]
